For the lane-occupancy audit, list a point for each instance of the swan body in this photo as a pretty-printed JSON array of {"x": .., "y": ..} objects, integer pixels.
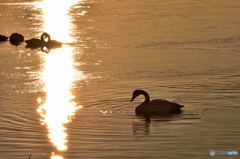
[
  {"x": 16, "y": 39},
  {"x": 36, "y": 43},
  {"x": 3, "y": 38},
  {"x": 155, "y": 107},
  {"x": 51, "y": 44}
]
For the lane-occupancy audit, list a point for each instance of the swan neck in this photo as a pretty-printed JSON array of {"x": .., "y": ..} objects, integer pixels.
[
  {"x": 147, "y": 97},
  {"x": 49, "y": 37},
  {"x": 45, "y": 36}
]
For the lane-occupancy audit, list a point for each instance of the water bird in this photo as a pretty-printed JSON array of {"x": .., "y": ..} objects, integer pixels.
[
  {"x": 36, "y": 43},
  {"x": 156, "y": 106},
  {"x": 3, "y": 38},
  {"x": 16, "y": 39},
  {"x": 52, "y": 44},
  {"x": 45, "y": 41}
]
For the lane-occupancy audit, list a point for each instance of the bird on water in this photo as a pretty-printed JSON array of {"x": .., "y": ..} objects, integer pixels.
[
  {"x": 52, "y": 44},
  {"x": 3, "y": 38},
  {"x": 35, "y": 43},
  {"x": 16, "y": 39},
  {"x": 45, "y": 41},
  {"x": 156, "y": 106}
]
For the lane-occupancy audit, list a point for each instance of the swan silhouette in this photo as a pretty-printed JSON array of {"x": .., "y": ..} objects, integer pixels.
[
  {"x": 156, "y": 106},
  {"x": 45, "y": 41},
  {"x": 16, "y": 39},
  {"x": 3, "y": 38},
  {"x": 36, "y": 43},
  {"x": 52, "y": 44}
]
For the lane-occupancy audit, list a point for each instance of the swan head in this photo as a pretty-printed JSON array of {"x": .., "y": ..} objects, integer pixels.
[
  {"x": 135, "y": 94},
  {"x": 45, "y": 37}
]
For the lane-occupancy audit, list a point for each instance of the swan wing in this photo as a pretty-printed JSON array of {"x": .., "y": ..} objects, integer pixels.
[
  {"x": 34, "y": 43},
  {"x": 163, "y": 106},
  {"x": 163, "y": 102}
]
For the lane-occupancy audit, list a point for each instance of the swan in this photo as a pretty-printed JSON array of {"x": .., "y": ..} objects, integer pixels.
[
  {"x": 16, "y": 39},
  {"x": 156, "y": 106},
  {"x": 52, "y": 44},
  {"x": 3, "y": 38},
  {"x": 45, "y": 41},
  {"x": 36, "y": 43}
]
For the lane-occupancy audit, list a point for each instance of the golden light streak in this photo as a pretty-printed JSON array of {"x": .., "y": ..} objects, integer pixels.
[{"x": 58, "y": 108}]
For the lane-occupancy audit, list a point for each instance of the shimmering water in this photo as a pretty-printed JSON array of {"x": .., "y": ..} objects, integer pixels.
[{"x": 74, "y": 102}]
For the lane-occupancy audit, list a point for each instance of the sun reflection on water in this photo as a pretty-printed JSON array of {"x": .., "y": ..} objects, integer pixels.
[
  {"x": 57, "y": 21},
  {"x": 58, "y": 108},
  {"x": 56, "y": 157}
]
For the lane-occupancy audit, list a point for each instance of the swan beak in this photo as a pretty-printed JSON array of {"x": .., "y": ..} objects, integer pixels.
[{"x": 131, "y": 100}]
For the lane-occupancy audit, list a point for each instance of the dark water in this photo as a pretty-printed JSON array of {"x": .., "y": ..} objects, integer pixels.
[{"x": 74, "y": 102}]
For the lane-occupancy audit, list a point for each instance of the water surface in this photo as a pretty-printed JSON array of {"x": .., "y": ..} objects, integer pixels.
[{"x": 74, "y": 101}]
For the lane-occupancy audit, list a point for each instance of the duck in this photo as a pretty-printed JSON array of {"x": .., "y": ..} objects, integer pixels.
[
  {"x": 16, "y": 39},
  {"x": 3, "y": 38},
  {"x": 156, "y": 106},
  {"x": 36, "y": 43}
]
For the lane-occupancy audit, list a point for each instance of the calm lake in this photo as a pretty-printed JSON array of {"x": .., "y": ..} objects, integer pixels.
[{"x": 73, "y": 103}]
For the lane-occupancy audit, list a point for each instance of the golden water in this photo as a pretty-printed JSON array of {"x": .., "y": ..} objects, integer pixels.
[{"x": 74, "y": 101}]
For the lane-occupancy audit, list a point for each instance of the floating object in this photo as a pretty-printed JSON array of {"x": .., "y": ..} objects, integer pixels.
[
  {"x": 156, "y": 106},
  {"x": 3, "y": 38},
  {"x": 16, "y": 39}
]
